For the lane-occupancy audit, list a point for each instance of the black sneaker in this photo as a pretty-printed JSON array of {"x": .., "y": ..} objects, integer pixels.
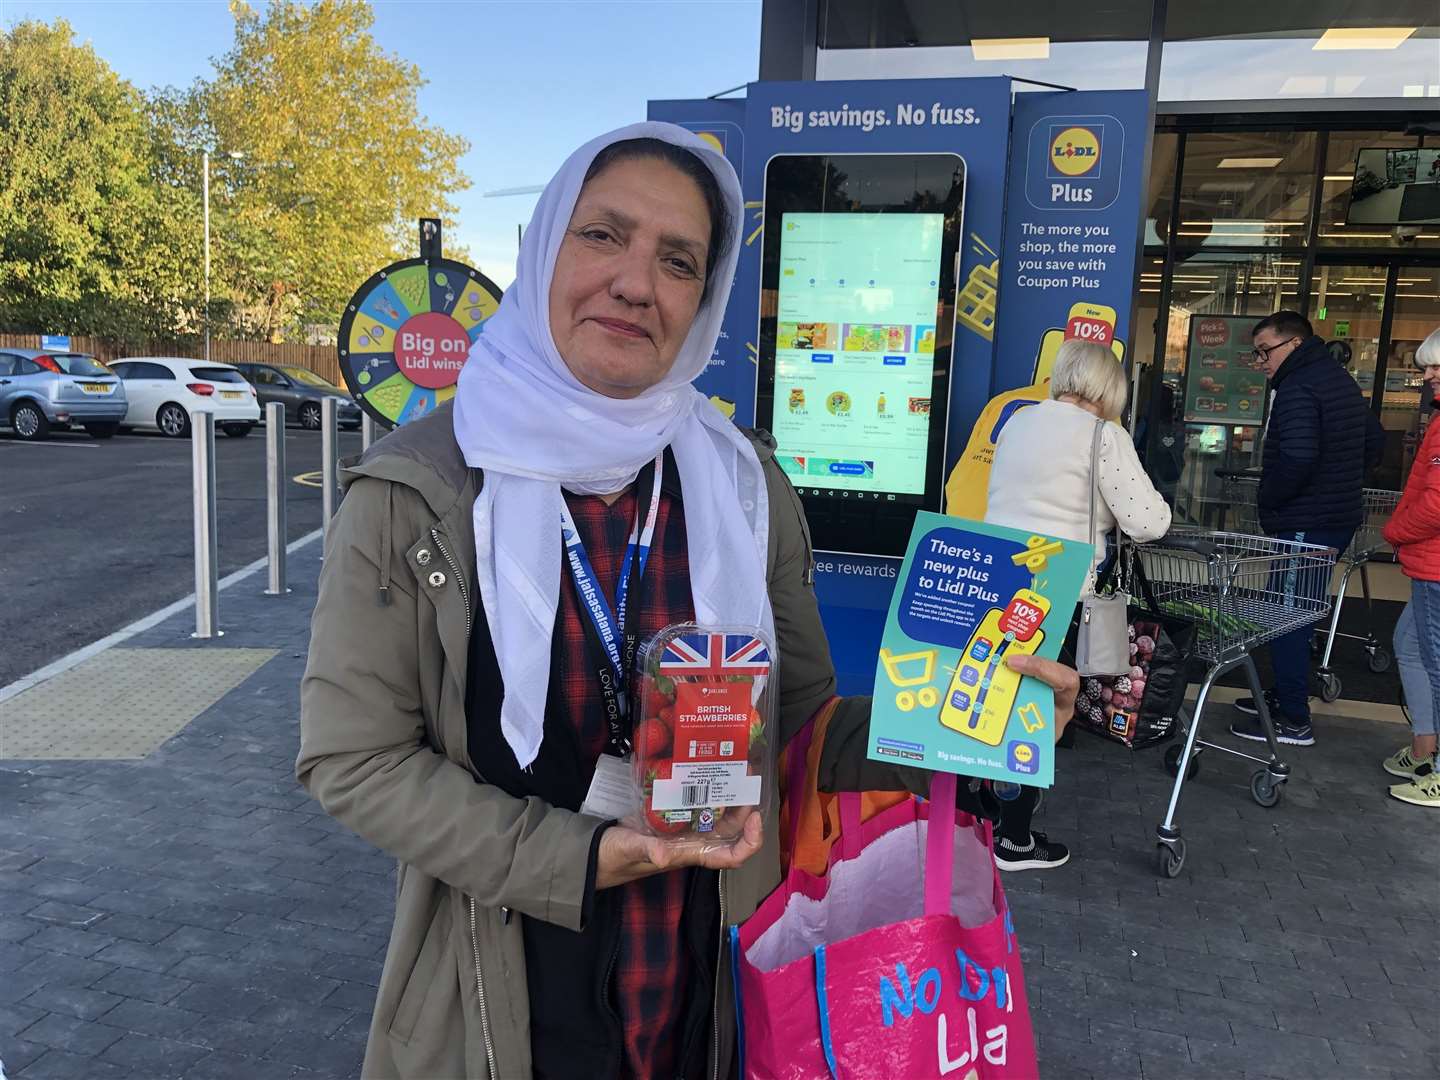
[
  {"x": 1247, "y": 704},
  {"x": 1285, "y": 732},
  {"x": 1039, "y": 854}
]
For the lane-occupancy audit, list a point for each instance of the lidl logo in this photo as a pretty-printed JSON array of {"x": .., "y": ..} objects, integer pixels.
[
  {"x": 1074, "y": 150},
  {"x": 716, "y": 139},
  {"x": 1024, "y": 757},
  {"x": 1073, "y": 162}
]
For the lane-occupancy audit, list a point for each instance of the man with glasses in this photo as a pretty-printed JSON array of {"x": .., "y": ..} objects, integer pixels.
[{"x": 1319, "y": 443}]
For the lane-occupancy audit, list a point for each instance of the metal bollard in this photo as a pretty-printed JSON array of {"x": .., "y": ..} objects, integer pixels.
[
  {"x": 207, "y": 577},
  {"x": 330, "y": 459},
  {"x": 275, "y": 495},
  {"x": 367, "y": 432}
]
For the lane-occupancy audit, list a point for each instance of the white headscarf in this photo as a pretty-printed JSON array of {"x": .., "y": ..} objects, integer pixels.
[{"x": 534, "y": 428}]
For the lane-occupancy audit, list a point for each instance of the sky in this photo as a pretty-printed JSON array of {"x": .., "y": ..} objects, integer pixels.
[{"x": 525, "y": 81}]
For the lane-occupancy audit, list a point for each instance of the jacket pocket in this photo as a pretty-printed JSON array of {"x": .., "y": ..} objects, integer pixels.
[{"x": 429, "y": 963}]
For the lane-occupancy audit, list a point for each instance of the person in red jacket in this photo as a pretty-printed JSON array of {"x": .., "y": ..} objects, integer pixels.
[{"x": 1414, "y": 533}]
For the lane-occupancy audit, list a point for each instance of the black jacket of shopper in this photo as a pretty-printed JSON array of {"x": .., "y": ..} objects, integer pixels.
[{"x": 1319, "y": 443}]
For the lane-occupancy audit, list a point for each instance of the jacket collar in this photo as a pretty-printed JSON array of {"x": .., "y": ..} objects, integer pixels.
[{"x": 1308, "y": 352}]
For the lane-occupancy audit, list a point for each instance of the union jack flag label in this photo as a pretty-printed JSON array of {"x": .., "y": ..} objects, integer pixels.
[{"x": 715, "y": 655}]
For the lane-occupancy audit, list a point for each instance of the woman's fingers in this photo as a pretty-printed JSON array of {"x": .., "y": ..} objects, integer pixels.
[
  {"x": 737, "y": 852},
  {"x": 1065, "y": 681},
  {"x": 627, "y": 854}
]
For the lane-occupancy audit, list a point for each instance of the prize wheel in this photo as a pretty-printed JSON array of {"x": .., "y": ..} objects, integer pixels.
[{"x": 406, "y": 333}]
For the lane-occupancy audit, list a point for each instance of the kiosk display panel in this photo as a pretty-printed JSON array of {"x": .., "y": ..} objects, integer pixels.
[{"x": 857, "y": 317}]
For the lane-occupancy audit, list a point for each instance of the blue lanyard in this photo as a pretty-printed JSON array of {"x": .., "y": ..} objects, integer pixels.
[{"x": 610, "y": 628}]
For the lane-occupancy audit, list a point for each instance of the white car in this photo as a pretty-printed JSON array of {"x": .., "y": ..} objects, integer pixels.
[{"x": 164, "y": 392}]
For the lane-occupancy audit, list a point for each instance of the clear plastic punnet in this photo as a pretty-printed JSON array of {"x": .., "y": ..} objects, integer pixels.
[{"x": 705, "y": 733}]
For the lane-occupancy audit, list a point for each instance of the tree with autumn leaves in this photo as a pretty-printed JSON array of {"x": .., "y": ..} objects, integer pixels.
[{"x": 320, "y": 165}]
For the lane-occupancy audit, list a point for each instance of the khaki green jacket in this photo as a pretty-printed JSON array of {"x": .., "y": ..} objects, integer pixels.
[{"x": 384, "y": 750}]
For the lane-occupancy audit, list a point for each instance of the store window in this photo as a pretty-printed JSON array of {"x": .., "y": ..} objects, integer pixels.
[
  {"x": 1338, "y": 226},
  {"x": 1159, "y": 194},
  {"x": 1273, "y": 52},
  {"x": 1246, "y": 189},
  {"x": 1346, "y": 304},
  {"x": 1416, "y": 315},
  {"x": 1086, "y": 48},
  {"x": 1218, "y": 405}
]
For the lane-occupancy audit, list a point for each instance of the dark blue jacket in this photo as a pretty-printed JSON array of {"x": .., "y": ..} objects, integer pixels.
[{"x": 1320, "y": 441}]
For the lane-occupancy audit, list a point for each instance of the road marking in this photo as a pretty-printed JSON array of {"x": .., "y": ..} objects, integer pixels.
[
  {"x": 47, "y": 442},
  {"x": 139, "y": 626},
  {"x": 314, "y": 479}
]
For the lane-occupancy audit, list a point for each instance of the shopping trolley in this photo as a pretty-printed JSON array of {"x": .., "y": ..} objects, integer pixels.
[
  {"x": 1240, "y": 591},
  {"x": 1239, "y": 489},
  {"x": 1368, "y": 540}
]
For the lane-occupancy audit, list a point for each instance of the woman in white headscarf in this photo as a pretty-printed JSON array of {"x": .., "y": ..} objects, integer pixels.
[{"x": 453, "y": 711}]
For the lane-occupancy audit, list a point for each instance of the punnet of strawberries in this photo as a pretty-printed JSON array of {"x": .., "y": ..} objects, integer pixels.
[{"x": 696, "y": 805}]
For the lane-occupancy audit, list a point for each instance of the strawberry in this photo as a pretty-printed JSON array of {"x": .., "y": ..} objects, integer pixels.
[
  {"x": 757, "y": 733},
  {"x": 658, "y": 769},
  {"x": 667, "y": 716},
  {"x": 652, "y": 738}
]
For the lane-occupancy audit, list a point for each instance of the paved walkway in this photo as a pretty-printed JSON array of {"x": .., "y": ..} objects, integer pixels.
[{"x": 194, "y": 915}]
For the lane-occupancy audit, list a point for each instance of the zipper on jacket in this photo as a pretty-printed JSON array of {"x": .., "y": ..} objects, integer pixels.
[
  {"x": 459, "y": 577},
  {"x": 480, "y": 992},
  {"x": 715, "y": 996}
]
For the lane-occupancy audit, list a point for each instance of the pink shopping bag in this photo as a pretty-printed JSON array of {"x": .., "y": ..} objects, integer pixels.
[{"x": 901, "y": 961}]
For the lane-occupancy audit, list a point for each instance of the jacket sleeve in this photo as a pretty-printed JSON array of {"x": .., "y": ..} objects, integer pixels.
[
  {"x": 1295, "y": 425},
  {"x": 1418, "y": 515},
  {"x": 807, "y": 675},
  {"x": 1140, "y": 510},
  {"x": 1374, "y": 440},
  {"x": 365, "y": 757}
]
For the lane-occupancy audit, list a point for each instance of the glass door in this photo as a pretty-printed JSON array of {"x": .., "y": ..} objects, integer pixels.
[
  {"x": 1218, "y": 407},
  {"x": 1416, "y": 314},
  {"x": 1346, "y": 305}
]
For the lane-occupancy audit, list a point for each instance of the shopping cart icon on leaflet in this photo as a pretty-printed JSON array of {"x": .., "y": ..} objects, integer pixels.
[{"x": 912, "y": 669}]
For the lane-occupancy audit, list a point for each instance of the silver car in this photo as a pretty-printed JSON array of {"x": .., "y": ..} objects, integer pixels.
[{"x": 40, "y": 390}]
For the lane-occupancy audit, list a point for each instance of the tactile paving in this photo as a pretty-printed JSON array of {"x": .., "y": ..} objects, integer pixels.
[{"x": 121, "y": 703}]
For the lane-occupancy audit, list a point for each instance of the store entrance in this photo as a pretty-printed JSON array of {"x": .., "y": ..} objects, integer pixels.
[
  {"x": 1374, "y": 311},
  {"x": 1377, "y": 312}
]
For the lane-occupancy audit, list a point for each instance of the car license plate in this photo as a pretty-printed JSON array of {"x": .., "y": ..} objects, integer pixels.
[
  {"x": 232, "y": 393},
  {"x": 97, "y": 387}
]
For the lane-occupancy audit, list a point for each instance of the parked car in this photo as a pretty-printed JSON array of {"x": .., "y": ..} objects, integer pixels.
[
  {"x": 40, "y": 390},
  {"x": 166, "y": 391},
  {"x": 300, "y": 390}
]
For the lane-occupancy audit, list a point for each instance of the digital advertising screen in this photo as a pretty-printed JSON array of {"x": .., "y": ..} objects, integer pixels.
[
  {"x": 855, "y": 349},
  {"x": 857, "y": 324}
]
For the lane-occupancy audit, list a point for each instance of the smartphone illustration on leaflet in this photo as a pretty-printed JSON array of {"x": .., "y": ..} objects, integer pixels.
[{"x": 983, "y": 690}]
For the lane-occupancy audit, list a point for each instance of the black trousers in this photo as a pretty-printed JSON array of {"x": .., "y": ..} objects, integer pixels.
[{"x": 1016, "y": 814}]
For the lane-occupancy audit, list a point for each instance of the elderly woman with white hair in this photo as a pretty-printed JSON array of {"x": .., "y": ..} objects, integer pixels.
[
  {"x": 1414, "y": 532},
  {"x": 1042, "y": 480}
]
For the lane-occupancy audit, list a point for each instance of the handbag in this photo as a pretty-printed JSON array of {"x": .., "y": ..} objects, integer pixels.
[
  {"x": 1141, "y": 707},
  {"x": 900, "y": 960},
  {"x": 1102, "y": 644}
]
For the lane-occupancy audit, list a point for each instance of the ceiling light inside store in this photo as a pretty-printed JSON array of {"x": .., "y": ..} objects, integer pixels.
[
  {"x": 1249, "y": 162},
  {"x": 1233, "y": 222},
  {"x": 1363, "y": 37},
  {"x": 1011, "y": 48},
  {"x": 1338, "y": 179}
]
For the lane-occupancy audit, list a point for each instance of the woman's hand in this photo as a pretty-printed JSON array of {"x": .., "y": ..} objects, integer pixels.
[
  {"x": 1065, "y": 681},
  {"x": 627, "y": 854}
]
